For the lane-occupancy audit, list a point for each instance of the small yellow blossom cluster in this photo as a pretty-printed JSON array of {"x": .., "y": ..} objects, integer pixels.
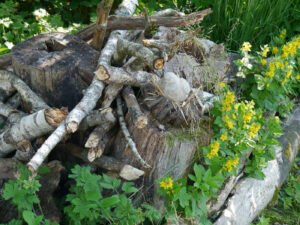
[
  {"x": 214, "y": 149},
  {"x": 253, "y": 129},
  {"x": 228, "y": 121},
  {"x": 275, "y": 50},
  {"x": 228, "y": 100},
  {"x": 265, "y": 50},
  {"x": 246, "y": 47},
  {"x": 282, "y": 35},
  {"x": 167, "y": 183},
  {"x": 224, "y": 137},
  {"x": 231, "y": 163},
  {"x": 291, "y": 48}
]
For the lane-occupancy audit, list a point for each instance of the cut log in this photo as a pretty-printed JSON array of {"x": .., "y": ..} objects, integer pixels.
[
  {"x": 32, "y": 101},
  {"x": 124, "y": 170},
  {"x": 140, "y": 120},
  {"x": 103, "y": 10},
  {"x": 144, "y": 57},
  {"x": 251, "y": 196},
  {"x": 10, "y": 113},
  {"x": 117, "y": 75},
  {"x": 30, "y": 127},
  {"x": 110, "y": 94},
  {"x": 103, "y": 117},
  {"x": 57, "y": 66}
]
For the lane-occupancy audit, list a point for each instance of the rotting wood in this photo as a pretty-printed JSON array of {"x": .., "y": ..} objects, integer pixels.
[
  {"x": 127, "y": 7},
  {"x": 124, "y": 170},
  {"x": 103, "y": 10},
  {"x": 140, "y": 120}
]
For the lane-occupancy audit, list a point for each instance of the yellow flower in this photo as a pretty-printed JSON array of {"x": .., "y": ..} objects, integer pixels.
[
  {"x": 246, "y": 47},
  {"x": 253, "y": 130},
  {"x": 247, "y": 117},
  {"x": 167, "y": 183},
  {"x": 265, "y": 51},
  {"x": 282, "y": 34},
  {"x": 222, "y": 85},
  {"x": 228, "y": 100},
  {"x": 274, "y": 50},
  {"x": 228, "y": 122},
  {"x": 231, "y": 163},
  {"x": 224, "y": 137},
  {"x": 298, "y": 77},
  {"x": 288, "y": 74},
  {"x": 263, "y": 62},
  {"x": 214, "y": 149}
]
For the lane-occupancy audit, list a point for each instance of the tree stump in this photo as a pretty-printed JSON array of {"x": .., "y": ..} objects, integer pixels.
[
  {"x": 169, "y": 152},
  {"x": 57, "y": 66}
]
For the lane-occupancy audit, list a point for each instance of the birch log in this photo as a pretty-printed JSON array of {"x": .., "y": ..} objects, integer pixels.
[
  {"x": 29, "y": 128},
  {"x": 127, "y": 7},
  {"x": 251, "y": 196}
]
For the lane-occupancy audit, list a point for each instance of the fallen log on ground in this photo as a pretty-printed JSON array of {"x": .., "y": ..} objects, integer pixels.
[{"x": 251, "y": 196}]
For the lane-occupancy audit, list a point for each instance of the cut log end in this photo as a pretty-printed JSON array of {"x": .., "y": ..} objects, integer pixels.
[
  {"x": 72, "y": 127},
  {"x": 102, "y": 74},
  {"x": 94, "y": 153},
  {"x": 55, "y": 116},
  {"x": 159, "y": 64},
  {"x": 130, "y": 173},
  {"x": 141, "y": 122}
]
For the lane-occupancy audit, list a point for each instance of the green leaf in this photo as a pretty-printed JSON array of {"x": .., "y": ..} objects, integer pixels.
[
  {"x": 32, "y": 219},
  {"x": 129, "y": 188},
  {"x": 110, "y": 201}
]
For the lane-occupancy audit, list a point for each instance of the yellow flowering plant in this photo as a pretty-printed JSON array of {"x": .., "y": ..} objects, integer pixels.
[
  {"x": 273, "y": 77},
  {"x": 241, "y": 130}
]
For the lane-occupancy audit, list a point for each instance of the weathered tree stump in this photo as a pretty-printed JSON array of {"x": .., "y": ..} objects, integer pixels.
[
  {"x": 167, "y": 154},
  {"x": 57, "y": 66}
]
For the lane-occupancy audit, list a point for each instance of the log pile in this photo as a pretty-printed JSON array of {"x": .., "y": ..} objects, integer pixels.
[{"x": 111, "y": 97}]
